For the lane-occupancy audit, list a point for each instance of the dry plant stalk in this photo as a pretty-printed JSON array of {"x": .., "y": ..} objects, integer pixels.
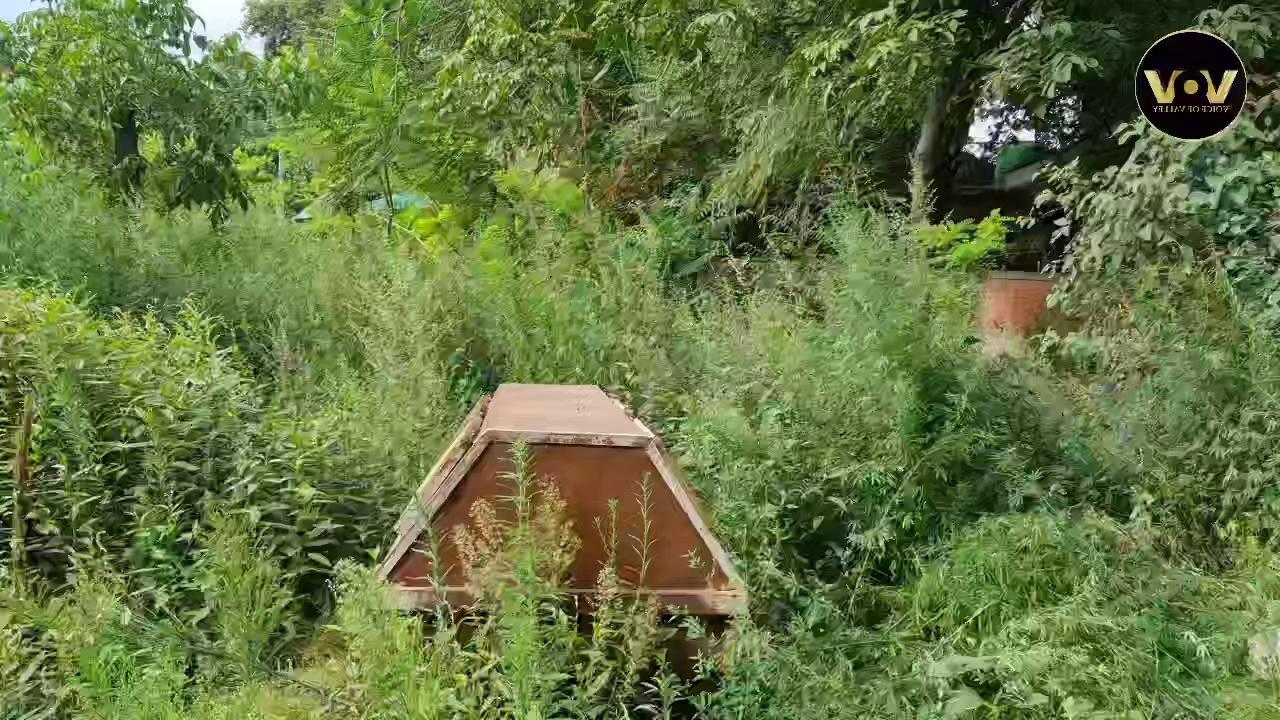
[{"x": 492, "y": 550}]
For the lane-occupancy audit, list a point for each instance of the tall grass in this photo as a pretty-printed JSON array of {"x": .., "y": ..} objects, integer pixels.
[{"x": 224, "y": 419}]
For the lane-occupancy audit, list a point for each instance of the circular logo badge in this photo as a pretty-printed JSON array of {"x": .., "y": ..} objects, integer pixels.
[{"x": 1190, "y": 85}]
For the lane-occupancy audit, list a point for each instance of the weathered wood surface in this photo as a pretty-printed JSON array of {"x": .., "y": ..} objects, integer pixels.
[{"x": 599, "y": 458}]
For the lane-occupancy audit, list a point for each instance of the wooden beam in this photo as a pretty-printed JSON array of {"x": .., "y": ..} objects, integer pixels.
[
  {"x": 412, "y": 521},
  {"x": 558, "y": 438},
  {"x": 684, "y": 496},
  {"x": 674, "y": 601}
]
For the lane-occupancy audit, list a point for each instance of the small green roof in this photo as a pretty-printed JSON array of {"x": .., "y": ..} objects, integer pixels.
[{"x": 401, "y": 201}]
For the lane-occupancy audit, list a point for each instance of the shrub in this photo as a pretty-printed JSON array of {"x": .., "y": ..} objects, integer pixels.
[
  {"x": 142, "y": 430},
  {"x": 925, "y": 531}
]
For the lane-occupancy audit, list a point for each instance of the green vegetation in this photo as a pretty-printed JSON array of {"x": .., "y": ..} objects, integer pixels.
[
  {"x": 966, "y": 245},
  {"x": 115, "y": 86},
  {"x": 211, "y": 414}
]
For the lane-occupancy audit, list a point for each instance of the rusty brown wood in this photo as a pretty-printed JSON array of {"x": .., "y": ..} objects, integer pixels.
[
  {"x": 557, "y": 438},
  {"x": 449, "y": 482},
  {"x": 593, "y": 482},
  {"x": 689, "y": 503},
  {"x": 561, "y": 409},
  {"x": 687, "y": 601},
  {"x": 412, "y": 520},
  {"x": 594, "y": 472}
]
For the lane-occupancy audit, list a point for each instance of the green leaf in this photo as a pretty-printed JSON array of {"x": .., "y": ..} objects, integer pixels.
[{"x": 961, "y": 701}]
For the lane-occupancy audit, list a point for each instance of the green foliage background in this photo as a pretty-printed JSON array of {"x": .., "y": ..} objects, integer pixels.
[{"x": 208, "y": 430}]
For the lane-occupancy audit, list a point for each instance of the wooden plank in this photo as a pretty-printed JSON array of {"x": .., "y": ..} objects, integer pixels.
[
  {"x": 560, "y": 438},
  {"x": 448, "y": 482},
  {"x": 404, "y": 540},
  {"x": 452, "y": 454},
  {"x": 691, "y": 601},
  {"x": 411, "y": 521},
  {"x": 571, "y": 409},
  {"x": 644, "y": 429},
  {"x": 684, "y": 495}
]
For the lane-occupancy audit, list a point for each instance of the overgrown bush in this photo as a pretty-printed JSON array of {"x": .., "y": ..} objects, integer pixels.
[
  {"x": 135, "y": 432},
  {"x": 218, "y": 419}
]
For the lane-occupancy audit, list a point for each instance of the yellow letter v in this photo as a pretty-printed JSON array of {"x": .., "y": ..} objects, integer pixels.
[
  {"x": 1164, "y": 95},
  {"x": 1218, "y": 95}
]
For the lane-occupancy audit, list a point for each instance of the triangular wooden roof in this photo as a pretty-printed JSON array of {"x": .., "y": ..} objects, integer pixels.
[{"x": 580, "y": 415}]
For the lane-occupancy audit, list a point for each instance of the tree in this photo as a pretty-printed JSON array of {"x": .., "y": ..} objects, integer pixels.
[
  {"x": 1062, "y": 67},
  {"x": 1172, "y": 207},
  {"x": 92, "y": 78},
  {"x": 761, "y": 111},
  {"x": 286, "y": 23},
  {"x": 377, "y": 119},
  {"x": 1069, "y": 66},
  {"x": 774, "y": 105}
]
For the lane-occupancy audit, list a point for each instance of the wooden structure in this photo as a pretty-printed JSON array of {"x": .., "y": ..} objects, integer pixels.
[
  {"x": 594, "y": 451},
  {"x": 1014, "y": 302}
]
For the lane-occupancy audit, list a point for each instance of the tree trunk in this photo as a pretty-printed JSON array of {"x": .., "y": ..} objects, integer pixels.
[
  {"x": 944, "y": 130},
  {"x": 125, "y": 127},
  {"x": 128, "y": 165},
  {"x": 927, "y": 159}
]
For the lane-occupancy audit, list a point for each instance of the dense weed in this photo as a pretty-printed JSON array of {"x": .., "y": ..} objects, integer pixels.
[{"x": 224, "y": 424}]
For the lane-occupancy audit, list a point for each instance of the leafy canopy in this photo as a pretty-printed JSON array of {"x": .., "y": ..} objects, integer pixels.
[{"x": 93, "y": 78}]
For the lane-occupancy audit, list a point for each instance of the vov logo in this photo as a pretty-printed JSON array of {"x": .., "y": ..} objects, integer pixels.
[
  {"x": 1166, "y": 92},
  {"x": 1191, "y": 85}
]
